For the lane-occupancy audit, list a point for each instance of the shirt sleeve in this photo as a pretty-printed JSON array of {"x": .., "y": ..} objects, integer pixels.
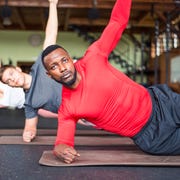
[
  {"x": 30, "y": 112},
  {"x": 66, "y": 131},
  {"x": 113, "y": 31}
]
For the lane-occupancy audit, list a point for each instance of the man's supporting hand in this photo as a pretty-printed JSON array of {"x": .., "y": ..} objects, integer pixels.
[{"x": 65, "y": 153}]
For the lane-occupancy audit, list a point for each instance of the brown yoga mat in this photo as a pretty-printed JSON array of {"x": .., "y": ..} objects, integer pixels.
[
  {"x": 49, "y": 132},
  {"x": 39, "y": 140},
  {"x": 19, "y": 132},
  {"x": 79, "y": 140},
  {"x": 132, "y": 157}
]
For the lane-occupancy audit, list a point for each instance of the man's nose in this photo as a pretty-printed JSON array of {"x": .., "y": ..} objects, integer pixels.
[{"x": 62, "y": 68}]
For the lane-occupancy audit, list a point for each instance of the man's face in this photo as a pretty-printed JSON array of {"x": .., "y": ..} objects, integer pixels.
[
  {"x": 60, "y": 67},
  {"x": 13, "y": 77}
]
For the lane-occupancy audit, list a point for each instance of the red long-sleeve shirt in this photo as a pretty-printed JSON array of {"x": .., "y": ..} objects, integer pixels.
[{"x": 105, "y": 96}]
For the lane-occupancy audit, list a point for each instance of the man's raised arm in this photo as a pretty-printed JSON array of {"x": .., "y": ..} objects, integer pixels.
[{"x": 113, "y": 31}]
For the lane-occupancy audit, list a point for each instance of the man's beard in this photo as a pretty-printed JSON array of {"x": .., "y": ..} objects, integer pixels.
[{"x": 70, "y": 82}]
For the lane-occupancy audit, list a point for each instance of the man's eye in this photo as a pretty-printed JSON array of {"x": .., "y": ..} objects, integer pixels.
[
  {"x": 64, "y": 60},
  {"x": 53, "y": 67}
]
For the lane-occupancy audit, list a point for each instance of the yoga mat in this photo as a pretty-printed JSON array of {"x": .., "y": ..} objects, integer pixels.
[
  {"x": 79, "y": 140},
  {"x": 20, "y": 132},
  {"x": 134, "y": 157},
  {"x": 49, "y": 132},
  {"x": 39, "y": 140}
]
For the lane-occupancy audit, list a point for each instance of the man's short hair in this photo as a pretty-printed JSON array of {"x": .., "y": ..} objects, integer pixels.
[{"x": 48, "y": 50}]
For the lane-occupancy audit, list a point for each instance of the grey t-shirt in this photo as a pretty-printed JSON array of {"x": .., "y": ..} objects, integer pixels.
[{"x": 44, "y": 92}]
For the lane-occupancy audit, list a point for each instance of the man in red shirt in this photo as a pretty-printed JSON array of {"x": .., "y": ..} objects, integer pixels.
[{"x": 99, "y": 93}]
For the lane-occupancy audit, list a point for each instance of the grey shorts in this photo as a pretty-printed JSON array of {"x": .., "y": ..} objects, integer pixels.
[{"x": 161, "y": 134}]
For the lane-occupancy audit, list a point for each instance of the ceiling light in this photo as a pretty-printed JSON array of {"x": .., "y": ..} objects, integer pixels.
[
  {"x": 6, "y": 14},
  {"x": 7, "y": 21}
]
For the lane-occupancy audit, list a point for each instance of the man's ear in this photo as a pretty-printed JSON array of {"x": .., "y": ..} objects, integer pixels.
[
  {"x": 48, "y": 74},
  {"x": 18, "y": 68}
]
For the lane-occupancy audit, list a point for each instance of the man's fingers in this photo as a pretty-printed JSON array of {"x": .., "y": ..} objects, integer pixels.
[
  {"x": 67, "y": 156},
  {"x": 72, "y": 152},
  {"x": 65, "y": 153},
  {"x": 63, "y": 157},
  {"x": 68, "y": 159}
]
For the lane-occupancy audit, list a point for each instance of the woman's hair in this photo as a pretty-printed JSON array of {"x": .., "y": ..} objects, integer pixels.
[{"x": 3, "y": 68}]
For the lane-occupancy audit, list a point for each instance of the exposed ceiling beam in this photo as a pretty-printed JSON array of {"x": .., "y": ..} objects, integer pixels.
[
  {"x": 146, "y": 20},
  {"x": 62, "y": 3},
  {"x": 19, "y": 18},
  {"x": 154, "y": 1},
  {"x": 157, "y": 7},
  {"x": 43, "y": 18},
  {"x": 80, "y": 3},
  {"x": 86, "y": 21},
  {"x": 67, "y": 15},
  {"x": 30, "y": 14}
]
